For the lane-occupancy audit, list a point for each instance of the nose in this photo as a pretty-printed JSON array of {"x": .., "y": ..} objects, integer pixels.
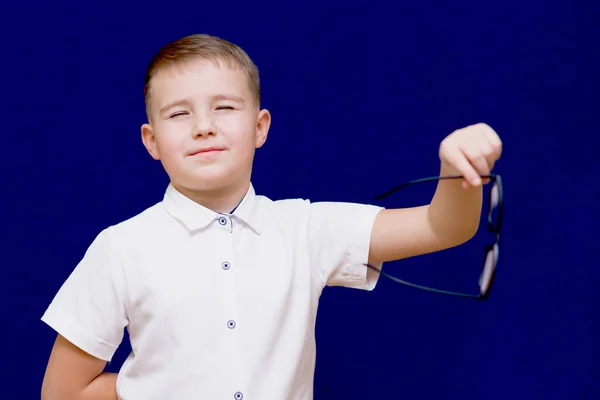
[{"x": 204, "y": 127}]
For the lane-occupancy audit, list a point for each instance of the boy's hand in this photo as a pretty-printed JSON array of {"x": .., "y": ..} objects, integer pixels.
[{"x": 470, "y": 152}]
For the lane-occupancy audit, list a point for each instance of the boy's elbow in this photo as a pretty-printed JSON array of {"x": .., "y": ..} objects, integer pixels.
[
  {"x": 457, "y": 234},
  {"x": 464, "y": 234},
  {"x": 471, "y": 231}
]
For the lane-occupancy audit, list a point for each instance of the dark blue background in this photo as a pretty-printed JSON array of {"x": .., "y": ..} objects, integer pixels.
[{"x": 361, "y": 96}]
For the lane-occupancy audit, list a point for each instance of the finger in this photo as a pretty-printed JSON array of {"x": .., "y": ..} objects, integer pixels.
[
  {"x": 477, "y": 163},
  {"x": 487, "y": 151},
  {"x": 475, "y": 153},
  {"x": 494, "y": 140},
  {"x": 461, "y": 163},
  {"x": 492, "y": 147}
]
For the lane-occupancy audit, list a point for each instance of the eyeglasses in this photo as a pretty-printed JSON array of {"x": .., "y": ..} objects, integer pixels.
[{"x": 492, "y": 250}]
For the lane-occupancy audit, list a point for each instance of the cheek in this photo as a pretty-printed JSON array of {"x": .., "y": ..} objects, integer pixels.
[
  {"x": 240, "y": 132},
  {"x": 246, "y": 141},
  {"x": 171, "y": 145}
]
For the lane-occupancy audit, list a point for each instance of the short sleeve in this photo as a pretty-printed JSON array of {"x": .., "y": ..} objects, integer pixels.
[
  {"x": 340, "y": 238},
  {"x": 89, "y": 308}
]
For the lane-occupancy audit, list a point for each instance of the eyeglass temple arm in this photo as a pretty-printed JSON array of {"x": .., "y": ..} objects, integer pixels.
[
  {"x": 421, "y": 180},
  {"x": 471, "y": 296}
]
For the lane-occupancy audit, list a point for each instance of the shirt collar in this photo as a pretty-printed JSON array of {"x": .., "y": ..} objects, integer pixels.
[{"x": 195, "y": 216}]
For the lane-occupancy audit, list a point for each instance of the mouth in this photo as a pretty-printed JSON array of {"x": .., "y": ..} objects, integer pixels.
[{"x": 206, "y": 150}]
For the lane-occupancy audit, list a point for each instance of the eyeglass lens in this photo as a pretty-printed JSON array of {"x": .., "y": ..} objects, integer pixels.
[
  {"x": 489, "y": 266},
  {"x": 493, "y": 217},
  {"x": 491, "y": 258}
]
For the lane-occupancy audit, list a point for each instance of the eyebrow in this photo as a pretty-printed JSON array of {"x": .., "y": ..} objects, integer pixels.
[
  {"x": 230, "y": 97},
  {"x": 183, "y": 102},
  {"x": 175, "y": 103}
]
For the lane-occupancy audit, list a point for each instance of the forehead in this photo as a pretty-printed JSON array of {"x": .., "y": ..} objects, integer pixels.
[{"x": 198, "y": 79}]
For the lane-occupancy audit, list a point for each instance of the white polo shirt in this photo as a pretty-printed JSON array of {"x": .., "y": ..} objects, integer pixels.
[{"x": 217, "y": 306}]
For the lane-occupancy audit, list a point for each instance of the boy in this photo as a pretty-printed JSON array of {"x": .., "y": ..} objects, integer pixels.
[{"x": 218, "y": 286}]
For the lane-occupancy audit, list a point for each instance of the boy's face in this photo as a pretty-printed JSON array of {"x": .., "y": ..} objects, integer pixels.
[{"x": 204, "y": 125}]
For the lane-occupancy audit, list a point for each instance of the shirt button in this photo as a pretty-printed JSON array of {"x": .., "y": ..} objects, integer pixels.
[
  {"x": 226, "y": 265},
  {"x": 238, "y": 396},
  {"x": 223, "y": 220},
  {"x": 231, "y": 324}
]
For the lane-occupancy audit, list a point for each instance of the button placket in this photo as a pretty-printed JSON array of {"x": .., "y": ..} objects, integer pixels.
[{"x": 228, "y": 304}]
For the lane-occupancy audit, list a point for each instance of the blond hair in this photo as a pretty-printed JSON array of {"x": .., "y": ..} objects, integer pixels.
[{"x": 202, "y": 47}]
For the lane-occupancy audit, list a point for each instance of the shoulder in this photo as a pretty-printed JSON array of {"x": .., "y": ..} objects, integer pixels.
[
  {"x": 280, "y": 213},
  {"x": 283, "y": 207},
  {"x": 140, "y": 228},
  {"x": 303, "y": 209}
]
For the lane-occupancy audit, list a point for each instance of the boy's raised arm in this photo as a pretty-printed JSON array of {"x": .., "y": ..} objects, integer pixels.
[
  {"x": 453, "y": 215},
  {"x": 73, "y": 374}
]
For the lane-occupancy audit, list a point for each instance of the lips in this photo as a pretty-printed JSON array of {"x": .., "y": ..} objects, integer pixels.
[{"x": 206, "y": 150}]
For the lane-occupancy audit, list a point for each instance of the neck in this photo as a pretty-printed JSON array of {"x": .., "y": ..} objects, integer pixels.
[{"x": 222, "y": 200}]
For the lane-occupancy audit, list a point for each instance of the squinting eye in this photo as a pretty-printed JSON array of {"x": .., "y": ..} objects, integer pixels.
[
  {"x": 177, "y": 114},
  {"x": 225, "y": 108}
]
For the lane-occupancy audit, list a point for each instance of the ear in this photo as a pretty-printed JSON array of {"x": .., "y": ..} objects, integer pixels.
[
  {"x": 149, "y": 140},
  {"x": 262, "y": 127}
]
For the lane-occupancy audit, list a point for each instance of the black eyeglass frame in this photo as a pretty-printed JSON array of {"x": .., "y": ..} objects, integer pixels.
[{"x": 495, "y": 180}]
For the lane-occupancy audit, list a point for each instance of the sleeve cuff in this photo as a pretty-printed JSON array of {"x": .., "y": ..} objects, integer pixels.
[
  {"x": 355, "y": 273},
  {"x": 75, "y": 334}
]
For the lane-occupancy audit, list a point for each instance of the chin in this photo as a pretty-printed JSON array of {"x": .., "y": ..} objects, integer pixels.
[{"x": 207, "y": 182}]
